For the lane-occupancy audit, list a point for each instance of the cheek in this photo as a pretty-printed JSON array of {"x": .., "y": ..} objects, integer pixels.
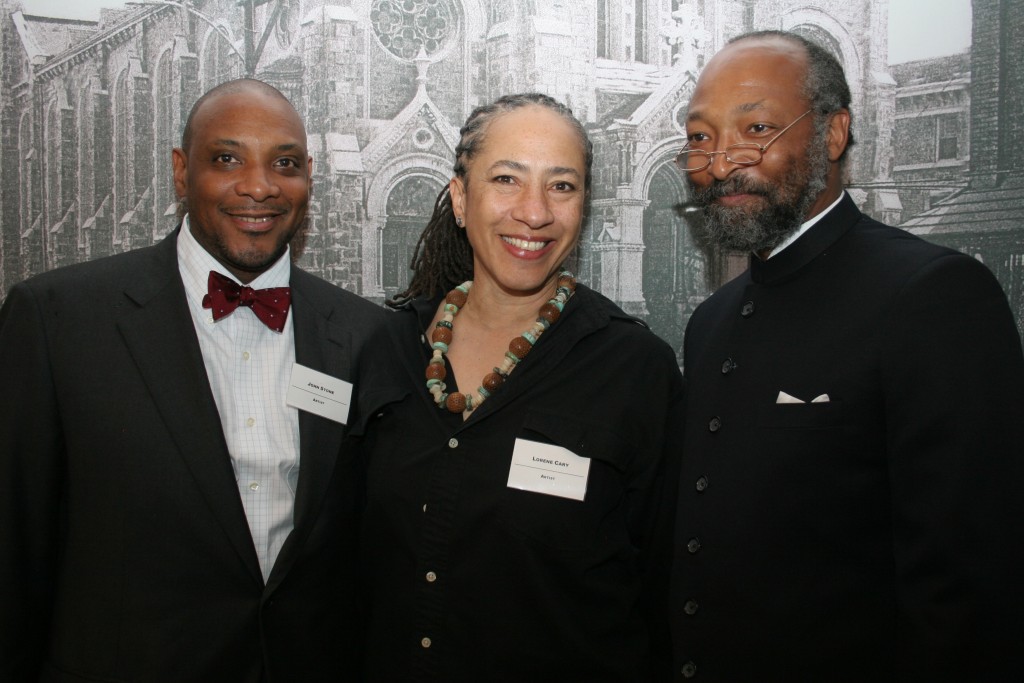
[
  {"x": 571, "y": 215},
  {"x": 206, "y": 189},
  {"x": 697, "y": 181},
  {"x": 297, "y": 189}
]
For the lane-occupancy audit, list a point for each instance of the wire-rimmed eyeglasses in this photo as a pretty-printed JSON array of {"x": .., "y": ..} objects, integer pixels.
[{"x": 742, "y": 153}]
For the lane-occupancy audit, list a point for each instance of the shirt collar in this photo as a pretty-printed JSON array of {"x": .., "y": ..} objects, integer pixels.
[
  {"x": 807, "y": 225},
  {"x": 195, "y": 264}
]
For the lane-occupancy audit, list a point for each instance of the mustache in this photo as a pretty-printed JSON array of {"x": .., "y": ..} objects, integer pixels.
[{"x": 735, "y": 184}]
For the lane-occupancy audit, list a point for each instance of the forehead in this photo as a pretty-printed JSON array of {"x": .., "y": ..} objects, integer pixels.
[
  {"x": 533, "y": 133},
  {"x": 248, "y": 115},
  {"x": 750, "y": 74}
]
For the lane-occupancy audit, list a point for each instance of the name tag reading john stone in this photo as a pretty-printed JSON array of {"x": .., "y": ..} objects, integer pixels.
[
  {"x": 548, "y": 469},
  {"x": 318, "y": 393}
]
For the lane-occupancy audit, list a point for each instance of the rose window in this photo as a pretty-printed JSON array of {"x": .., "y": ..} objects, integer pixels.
[{"x": 404, "y": 27}]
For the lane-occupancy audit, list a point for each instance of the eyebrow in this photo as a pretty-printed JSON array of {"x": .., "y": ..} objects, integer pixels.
[
  {"x": 228, "y": 142},
  {"x": 523, "y": 168},
  {"x": 744, "y": 108}
]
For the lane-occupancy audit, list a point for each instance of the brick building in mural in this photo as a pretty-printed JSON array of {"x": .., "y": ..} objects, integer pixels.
[
  {"x": 986, "y": 217},
  {"x": 90, "y": 110},
  {"x": 931, "y": 143}
]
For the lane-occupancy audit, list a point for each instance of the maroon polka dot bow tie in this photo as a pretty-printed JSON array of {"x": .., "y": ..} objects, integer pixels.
[{"x": 269, "y": 305}]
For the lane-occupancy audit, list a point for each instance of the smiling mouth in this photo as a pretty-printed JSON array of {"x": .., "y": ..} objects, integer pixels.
[
  {"x": 525, "y": 245},
  {"x": 255, "y": 220}
]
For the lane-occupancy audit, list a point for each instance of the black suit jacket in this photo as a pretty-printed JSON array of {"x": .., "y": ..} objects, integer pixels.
[
  {"x": 125, "y": 553},
  {"x": 876, "y": 536}
]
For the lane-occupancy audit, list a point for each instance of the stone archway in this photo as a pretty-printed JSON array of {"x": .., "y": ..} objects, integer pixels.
[
  {"x": 409, "y": 206},
  {"x": 674, "y": 269}
]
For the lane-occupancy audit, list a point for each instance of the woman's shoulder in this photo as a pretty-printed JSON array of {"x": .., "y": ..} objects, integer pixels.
[{"x": 631, "y": 331}]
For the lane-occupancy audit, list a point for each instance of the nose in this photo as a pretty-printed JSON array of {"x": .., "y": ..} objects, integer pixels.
[
  {"x": 258, "y": 183},
  {"x": 533, "y": 208},
  {"x": 721, "y": 168}
]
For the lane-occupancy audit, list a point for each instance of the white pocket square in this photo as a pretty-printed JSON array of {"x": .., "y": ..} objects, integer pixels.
[{"x": 783, "y": 397}]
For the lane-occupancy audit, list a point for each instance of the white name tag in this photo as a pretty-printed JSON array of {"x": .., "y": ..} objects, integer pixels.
[
  {"x": 544, "y": 468},
  {"x": 318, "y": 393}
]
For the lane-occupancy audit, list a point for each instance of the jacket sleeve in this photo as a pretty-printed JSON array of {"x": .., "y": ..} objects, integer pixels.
[
  {"x": 953, "y": 381},
  {"x": 31, "y": 474}
]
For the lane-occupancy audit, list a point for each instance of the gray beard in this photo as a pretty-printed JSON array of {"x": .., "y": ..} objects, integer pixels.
[{"x": 759, "y": 230}]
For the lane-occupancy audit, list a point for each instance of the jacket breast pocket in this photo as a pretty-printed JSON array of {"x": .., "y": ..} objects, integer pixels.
[
  {"x": 802, "y": 415},
  {"x": 564, "y": 525}
]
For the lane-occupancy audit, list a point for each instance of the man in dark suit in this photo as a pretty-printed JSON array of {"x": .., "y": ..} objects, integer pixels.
[
  {"x": 172, "y": 507},
  {"x": 848, "y": 505}
]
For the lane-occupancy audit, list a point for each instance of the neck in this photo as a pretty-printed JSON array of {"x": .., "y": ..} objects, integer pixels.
[
  {"x": 493, "y": 308},
  {"x": 833, "y": 188}
]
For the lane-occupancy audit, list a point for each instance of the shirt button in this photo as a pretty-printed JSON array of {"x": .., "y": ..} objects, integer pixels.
[
  {"x": 250, "y": 422},
  {"x": 689, "y": 670},
  {"x": 714, "y": 424},
  {"x": 701, "y": 485},
  {"x": 453, "y": 443},
  {"x": 425, "y": 642},
  {"x": 424, "y": 507},
  {"x": 431, "y": 577},
  {"x": 728, "y": 366},
  {"x": 245, "y": 355},
  {"x": 693, "y": 545},
  {"x": 254, "y": 486},
  {"x": 690, "y": 607},
  {"x": 747, "y": 310}
]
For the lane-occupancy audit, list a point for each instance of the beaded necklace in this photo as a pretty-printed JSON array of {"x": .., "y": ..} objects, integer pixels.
[{"x": 441, "y": 337}]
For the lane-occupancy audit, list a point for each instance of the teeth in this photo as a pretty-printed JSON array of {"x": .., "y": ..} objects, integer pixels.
[
  {"x": 527, "y": 245},
  {"x": 254, "y": 219}
]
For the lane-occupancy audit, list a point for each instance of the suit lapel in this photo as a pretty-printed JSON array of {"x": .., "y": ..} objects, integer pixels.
[
  {"x": 323, "y": 345},
  {"x": 160, "y": 335}
]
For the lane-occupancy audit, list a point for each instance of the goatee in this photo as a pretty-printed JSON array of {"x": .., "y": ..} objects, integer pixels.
[{"x": 760, "y": 228}]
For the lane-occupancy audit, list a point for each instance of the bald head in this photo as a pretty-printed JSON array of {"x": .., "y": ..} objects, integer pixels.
[
  {"x": 823, "y": 82},
  {"x": 235, "y": 87}
]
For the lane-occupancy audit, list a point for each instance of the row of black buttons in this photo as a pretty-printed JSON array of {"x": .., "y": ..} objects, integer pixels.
[{"x": 693, "y": 546}]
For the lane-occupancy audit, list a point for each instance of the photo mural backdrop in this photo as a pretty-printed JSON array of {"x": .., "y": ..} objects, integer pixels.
[{"x": 89, "y": 111}]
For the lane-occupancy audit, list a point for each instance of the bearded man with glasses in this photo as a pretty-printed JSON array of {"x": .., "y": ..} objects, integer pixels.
[{"x": 847, "y": 507}]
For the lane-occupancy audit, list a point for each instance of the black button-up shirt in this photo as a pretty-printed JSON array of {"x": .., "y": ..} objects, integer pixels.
[{"x": 468, "y": 579}]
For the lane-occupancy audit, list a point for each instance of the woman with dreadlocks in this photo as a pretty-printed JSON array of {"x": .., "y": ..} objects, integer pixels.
[{"x": 516, "y": 434}]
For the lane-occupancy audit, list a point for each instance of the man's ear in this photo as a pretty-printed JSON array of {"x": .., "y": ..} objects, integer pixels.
[
  {"x": 838, "y": 134},
  {"x": 179, "y": 161}
]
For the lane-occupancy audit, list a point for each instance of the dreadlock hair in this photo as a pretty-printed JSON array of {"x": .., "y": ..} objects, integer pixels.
[
  {"x": 443, "y": 257},
  {"x": 824, "y": 85}
]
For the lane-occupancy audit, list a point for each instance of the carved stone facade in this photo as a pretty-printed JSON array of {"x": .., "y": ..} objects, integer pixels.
[{"x": 90, "y": 111}]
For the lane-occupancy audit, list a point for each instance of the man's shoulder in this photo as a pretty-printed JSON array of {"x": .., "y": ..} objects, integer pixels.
[
  {"x": 890, "y": 257},
  {"x": 887, "y": 240},
  {"x": 106, "y": 271},
  {"x": 321, "y": 291}
]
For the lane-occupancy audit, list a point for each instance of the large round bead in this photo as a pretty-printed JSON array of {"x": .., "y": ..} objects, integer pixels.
[
  {"x": 441, "y": 334},
  {"x": 493, "y": 381},
  {"x": 550, "y": 312},
  {"x": 520, "y": 346},
  {"x": 455, "y": 403},
  {"x": 567, "y": 281},
  {"x": 456, "y": 297},
  {"x": 436, "y": 371}
]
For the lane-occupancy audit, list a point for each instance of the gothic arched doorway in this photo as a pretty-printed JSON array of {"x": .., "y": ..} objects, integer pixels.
[
  {"x": 408, "y": 209},
  {"x": 674, "y": 280}
]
